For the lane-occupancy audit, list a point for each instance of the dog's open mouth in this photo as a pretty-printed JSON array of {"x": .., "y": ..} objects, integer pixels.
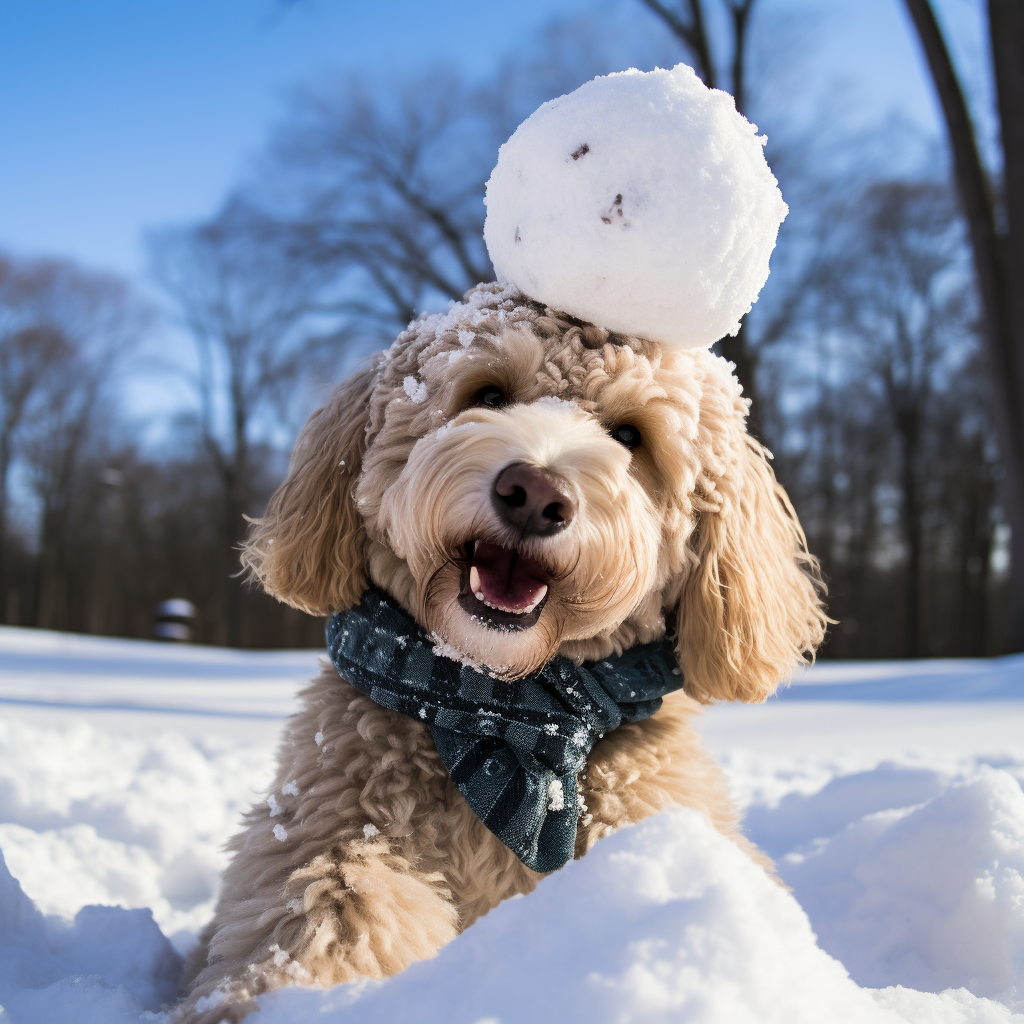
[{"x": 502, "y": 588}]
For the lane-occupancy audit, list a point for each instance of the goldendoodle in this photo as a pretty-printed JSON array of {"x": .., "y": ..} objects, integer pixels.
[{"x": 523, "y": 518}]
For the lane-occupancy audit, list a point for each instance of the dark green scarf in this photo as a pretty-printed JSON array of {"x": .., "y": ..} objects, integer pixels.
[{"x": 514, "y": 748}]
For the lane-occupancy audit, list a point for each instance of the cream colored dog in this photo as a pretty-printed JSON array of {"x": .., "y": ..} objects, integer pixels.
[{"x": 523, "y": 484}]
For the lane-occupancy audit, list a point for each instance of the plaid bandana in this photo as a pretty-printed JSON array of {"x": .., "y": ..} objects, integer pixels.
[{"x": 513, "y": 747}]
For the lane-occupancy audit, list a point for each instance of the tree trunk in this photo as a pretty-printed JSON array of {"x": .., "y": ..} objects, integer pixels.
[
  {"x": 690, "y": 27},
  {"x": 908, "y": 426},
  {"x": 998, "y": 259},
  {"x": 737, "y": 350},
  {"x": 231, "y": 567},
  {"x": 5, "y": 460}
]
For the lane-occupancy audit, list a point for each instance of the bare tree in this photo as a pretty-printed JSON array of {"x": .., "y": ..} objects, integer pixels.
[
  {"x": 688, "y": 22},
  {"x": 54, "y": 448},
  {"x": 896, "y": 473},
  {"x": 994, "y": 211},
  {"x": 62, "y": 332},
  {"x": 384, "y": 192},
  {"x": 383, "y": 196},
  {"x": 248, "y": 314},
  {"x": 905, "y": 302},
  {"x": 27, "y": 355}
]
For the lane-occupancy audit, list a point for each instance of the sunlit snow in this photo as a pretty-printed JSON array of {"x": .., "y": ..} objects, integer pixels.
[{"x": 889, "y": 795}]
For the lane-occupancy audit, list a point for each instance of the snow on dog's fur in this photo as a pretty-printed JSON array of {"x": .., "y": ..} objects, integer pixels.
[{"x": 367, "y": 858}]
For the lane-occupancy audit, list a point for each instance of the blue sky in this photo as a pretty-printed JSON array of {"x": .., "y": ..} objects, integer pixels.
[{"x": 120, "y": 115}]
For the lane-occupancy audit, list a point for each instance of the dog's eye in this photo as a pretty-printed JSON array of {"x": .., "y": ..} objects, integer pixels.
[
  {"x": 626, "y": 434},
  {"x": 492, "y": 396}
]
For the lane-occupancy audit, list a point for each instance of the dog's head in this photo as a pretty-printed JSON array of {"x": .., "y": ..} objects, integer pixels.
[{"x": 525, "y": 484}]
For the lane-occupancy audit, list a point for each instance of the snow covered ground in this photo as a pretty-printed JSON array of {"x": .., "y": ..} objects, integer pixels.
[{"x": 889, "y": 794}]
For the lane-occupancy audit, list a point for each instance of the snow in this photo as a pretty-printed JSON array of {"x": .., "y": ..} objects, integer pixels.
[
  {"x": 641, "y": 202},
  {"x": 556, "y": 797},
  {"x": 416, "y": 390},
  {"x": 899, "y": 826},
  {"x": 107, "y": 964},
  {"x": 930, "y": 895}
]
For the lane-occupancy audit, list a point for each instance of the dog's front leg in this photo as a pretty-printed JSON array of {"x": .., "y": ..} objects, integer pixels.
[
  {"x": 358, "y": 911},
  {"x": 339, "y": 876}
]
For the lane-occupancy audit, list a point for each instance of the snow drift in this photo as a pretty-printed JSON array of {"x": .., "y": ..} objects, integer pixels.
[
  {"x": 108, "y": 965},
  {"x": 665, "y": 922},
  {"x": 908, "y": 871}
]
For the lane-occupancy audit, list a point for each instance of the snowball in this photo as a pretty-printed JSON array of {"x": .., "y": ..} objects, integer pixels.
[{"x": 641, "y": 202}]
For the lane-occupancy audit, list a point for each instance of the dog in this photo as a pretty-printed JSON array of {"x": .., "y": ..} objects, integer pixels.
[{"x": 524, "y": 485}]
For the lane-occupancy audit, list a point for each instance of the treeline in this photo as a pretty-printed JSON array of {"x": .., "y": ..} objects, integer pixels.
[
  {"x": 95, "y": 529},
  {"x": 881, "y": 423},
  {"x": 862, "y": 358}
]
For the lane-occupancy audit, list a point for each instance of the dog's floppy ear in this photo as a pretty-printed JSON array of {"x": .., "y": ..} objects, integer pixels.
[
  {"x": 751, "y": 608},
  {"x": 307, "y": 550}
]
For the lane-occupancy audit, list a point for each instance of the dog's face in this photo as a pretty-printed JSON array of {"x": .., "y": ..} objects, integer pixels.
[
  {"x": 524, "y": 485},
  {"x": 523, "y": 491}
]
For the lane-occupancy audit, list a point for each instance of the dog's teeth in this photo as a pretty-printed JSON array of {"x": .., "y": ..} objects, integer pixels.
[
  {"x": 474, "y": 583},
  {"x": 479, "y": 595}
]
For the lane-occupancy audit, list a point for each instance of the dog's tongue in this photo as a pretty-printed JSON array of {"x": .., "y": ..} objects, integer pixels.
[{"x": 505, "y": 580}]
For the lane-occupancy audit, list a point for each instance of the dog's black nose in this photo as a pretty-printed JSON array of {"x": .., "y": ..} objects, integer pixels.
[{"x": 534, "y": 501}]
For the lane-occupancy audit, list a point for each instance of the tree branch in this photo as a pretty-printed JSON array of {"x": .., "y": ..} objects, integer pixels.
[
  {"x": 693, "y": 35},
  {"x": 976, "y": 201},
  {"x": 740, "y": 11}
]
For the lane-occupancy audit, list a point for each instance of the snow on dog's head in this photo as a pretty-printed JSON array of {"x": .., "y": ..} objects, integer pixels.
[
  {"x": 526, "y": 484},
  {"x": 641, "y": 202}
]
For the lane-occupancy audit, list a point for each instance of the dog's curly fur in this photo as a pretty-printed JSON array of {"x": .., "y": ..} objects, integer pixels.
[{"x": 368, "y": 858}]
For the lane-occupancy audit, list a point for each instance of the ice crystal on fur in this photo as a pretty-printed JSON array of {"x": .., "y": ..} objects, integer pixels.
[
  {"x": 280, "y": 833},
  {"x": 290, "y": 789},
  {"x": 370, "y": 830},
  {"x": 214, "y": 999},
  {"x": 416, "y": 390},
  {"x": 443, "y": 649},
  {"x": 275, "y": 807}
]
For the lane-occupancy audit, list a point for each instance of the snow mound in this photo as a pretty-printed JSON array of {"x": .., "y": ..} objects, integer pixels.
[
  {"x": 91, "y": 816},
  {"x": 641, "y": 202},
  {"x": 664, "y": 922},
  {"x": 110, "y": 965},
  {"x": 900, "y": 827},
  {"x": 928, "y": 896}
]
